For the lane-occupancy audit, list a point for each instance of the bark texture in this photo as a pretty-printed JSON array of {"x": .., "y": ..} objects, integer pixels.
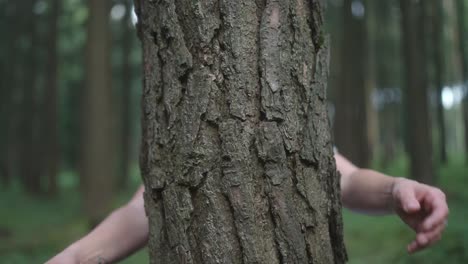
[
  {"x": 418, "y": 126},
  {"x": 236, "y": 153}
]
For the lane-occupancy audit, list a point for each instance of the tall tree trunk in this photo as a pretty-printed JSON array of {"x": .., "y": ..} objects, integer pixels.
[
  {"x": 436, "y": 9},
  {"x": 98, "y": 156},
  {"x": 8, "y": 64},
  {"x": 386, "y": 36},
  {"x": 462, "y": 38},
  {"x": 30, "y": 160},
  {"x": 126, "y": 97},
  {"x": 389, "y": 134},
  {"x": 351, "y": 128},
  {"x": 236, "y": 157},
  {"x": 372, "y": 124},
  {"x": 51, "y": 101},
  {"x": 416, "y": 93}
]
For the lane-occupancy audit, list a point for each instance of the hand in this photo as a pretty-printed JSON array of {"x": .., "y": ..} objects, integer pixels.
[{"x": 423, "y": 208}]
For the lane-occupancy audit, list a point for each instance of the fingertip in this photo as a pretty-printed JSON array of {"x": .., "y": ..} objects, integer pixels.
[{"x": 411, "y": 248}]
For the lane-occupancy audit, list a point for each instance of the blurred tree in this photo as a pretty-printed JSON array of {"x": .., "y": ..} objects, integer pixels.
[
  {"x": 236, "y": 146},
  {"x": 435, "y": 9},
  {"x": 7, "y": 118},
  {"x": 352, "y": 129},
  {"x": 30, "y": 158},
  {"x": 416, "y": 93},
  {"x": 51, "y": 139},
  {"x": 126, "y": 96},
  {"x": 386, "y": 34},
  {"x": 371, "y": 80},
  {"x": 98, "y": 155},
  {"x": 333, "y": 23},
  {"x": 71, "y": 45},
  {"x": 462, "y": 38}
]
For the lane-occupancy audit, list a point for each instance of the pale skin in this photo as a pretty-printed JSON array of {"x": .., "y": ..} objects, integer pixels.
[{"x": 421, "y": 207}]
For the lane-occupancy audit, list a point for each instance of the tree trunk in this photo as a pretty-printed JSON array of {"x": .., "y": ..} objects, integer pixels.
[
  {"x": 8, "y": 64},
  {"x": 126, "y": 96},
  {"x": 385, "y": 31},
  {"x": 416, "y": 95},
  {"x": 29, "y": 153},
  {"x": 51, "y": 100},
  {"x": 236, "y": 156},
  {"x": 462, "y": 38},
  {"x": 370, "y": 85},
  {"x": 438, "y": 60},
  {"x": 98, "y": 156},
  {"x": 389, "y": 134},
  {"x": 351, "y": 128}
]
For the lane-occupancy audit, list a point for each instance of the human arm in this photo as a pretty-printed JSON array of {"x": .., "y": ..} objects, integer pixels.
[
  {"x": 123, "y": 232},
  {"x": 364, "y": 190},
  {"x": 420, "y": 206}
]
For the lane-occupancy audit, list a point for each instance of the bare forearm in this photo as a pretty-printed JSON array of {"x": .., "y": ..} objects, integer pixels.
[
  {"x": 368, "y": 191},
  {"x": 119, "y": 235}
]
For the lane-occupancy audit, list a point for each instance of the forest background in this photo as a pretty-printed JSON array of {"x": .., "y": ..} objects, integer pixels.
[{"x": 397, "y": 102}]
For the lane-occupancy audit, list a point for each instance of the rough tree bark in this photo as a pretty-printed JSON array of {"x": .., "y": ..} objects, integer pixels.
[
  {"x": 351, "y": 128},
  {"x": 236, "y": 154},
  {"x": 98, "y": 155},
  {"x": 416, "y": 93}
]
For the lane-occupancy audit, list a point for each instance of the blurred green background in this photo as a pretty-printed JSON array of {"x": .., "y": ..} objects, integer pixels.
[{"x": 397, "y": 90}]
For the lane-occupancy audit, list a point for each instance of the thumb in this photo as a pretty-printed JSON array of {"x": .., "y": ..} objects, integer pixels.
[{"x": 408, "y": 200}]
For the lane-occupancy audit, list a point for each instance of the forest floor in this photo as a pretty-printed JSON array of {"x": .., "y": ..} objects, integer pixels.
[{"x": 34, "y": 229}]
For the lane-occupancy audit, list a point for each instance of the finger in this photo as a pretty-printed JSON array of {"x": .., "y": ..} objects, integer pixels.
[
  {"x": 412, "y": 246},
  {"x": 439, "y": 212},
  {"x": 430, "y": 236},
  {"x": 416, "y": 246},
  {"x": 407, "y": 200},
  {"x": 426, "y": 239}
]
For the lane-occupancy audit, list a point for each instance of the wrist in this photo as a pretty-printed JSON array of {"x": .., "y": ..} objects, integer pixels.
[
  {"x": 399, "y": 183},
  {"x": 396, "y": 184}
]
